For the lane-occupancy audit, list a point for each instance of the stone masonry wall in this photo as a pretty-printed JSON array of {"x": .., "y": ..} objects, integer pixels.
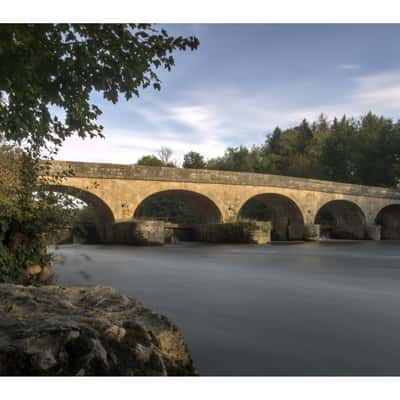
[
  {"x": 137, "y": 233},
  {"x": 237, "y": 232},
  {"x": 136, "y": 172}
]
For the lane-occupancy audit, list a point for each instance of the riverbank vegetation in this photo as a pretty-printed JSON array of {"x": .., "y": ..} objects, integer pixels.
[{"x": 29, "y": 215}]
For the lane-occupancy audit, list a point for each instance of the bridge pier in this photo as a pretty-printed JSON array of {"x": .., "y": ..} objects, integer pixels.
[
  {"x": 311, "y": 232},
  {"x": 256, "y": 232},
  {"x": 295, "y": 232},
  {"x": 136, "y": 233},
  {"x": 373, "y": 232}
]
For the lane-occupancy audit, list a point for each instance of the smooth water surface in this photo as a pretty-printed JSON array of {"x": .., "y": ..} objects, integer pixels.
[{"x": 305, "y": 309}]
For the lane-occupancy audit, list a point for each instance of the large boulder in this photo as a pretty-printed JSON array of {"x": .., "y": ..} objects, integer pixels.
[{"x": 53, "y": 330}]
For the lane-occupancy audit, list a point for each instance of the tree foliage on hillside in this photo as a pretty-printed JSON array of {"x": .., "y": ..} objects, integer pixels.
[{"x": 361, "y": 151}]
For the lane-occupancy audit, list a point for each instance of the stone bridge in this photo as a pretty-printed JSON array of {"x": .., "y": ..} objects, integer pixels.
[{"x": 117, "y": 192}]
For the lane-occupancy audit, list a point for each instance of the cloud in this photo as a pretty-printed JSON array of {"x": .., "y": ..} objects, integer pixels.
[
  {"x": 378, "y": 92},
  {"x": 196, "y": 117},
  {"x": 208, "y": 120},
  {"x": 126, "y": 147},
  {"x": 230, "y": 114},
  {"x": 349, "y": 67}
]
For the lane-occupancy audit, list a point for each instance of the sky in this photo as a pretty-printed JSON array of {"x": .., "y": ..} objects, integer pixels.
[{"x": 243, "y": 81}]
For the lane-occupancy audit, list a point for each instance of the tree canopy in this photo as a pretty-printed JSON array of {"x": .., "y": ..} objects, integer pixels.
[
  {"x": 49, "y": 72},
  {"x": 163, "y": 159},
  {"x": 193, "y": 160},
  {"x": 151, "y": 161},
  {"x": 362, "y": 151}
]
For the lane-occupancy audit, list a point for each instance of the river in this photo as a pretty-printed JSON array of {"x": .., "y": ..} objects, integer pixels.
[{"x": 302, "y": 309}]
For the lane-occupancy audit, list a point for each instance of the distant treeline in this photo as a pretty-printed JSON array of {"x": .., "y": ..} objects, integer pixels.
[{"x": 363, "y": 151}]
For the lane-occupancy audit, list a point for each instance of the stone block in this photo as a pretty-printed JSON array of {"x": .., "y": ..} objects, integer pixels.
[
  {"x": 138, "y": 233},
  {"x": 373, "y": 232},
  {"x": 257, "y": 232},
  {"x": 311, "y": 232}
]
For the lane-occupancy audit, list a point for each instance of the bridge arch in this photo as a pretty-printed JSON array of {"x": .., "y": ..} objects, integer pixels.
[
  {"x": 102, "y": 209},
  {"x": 179, "y": 206},
  {"x": 284, "y": 213},
  {"x": 341, "y": 219},
  {"x": 104, "y": 214},
  {"x": 389, "y": 220}
]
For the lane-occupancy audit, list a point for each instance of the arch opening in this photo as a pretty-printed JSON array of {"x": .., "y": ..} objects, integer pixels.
[
  {"x": 389, "y": 220},
  {"x": 92, "y": 216},
  {"x": 286, "y": 217},
  {"x": 179, "y": 207},
  {"x": 341, "y": 219}
]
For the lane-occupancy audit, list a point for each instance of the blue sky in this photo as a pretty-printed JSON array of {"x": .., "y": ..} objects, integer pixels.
[{"x": 246, "y": 79}]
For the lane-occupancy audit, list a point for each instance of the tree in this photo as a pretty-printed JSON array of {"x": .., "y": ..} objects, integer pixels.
[
  {"x": 163, "y": 160},
  {"x": 378, "y": 152},
  {"x": 274, "y": 141},
  {"x": 49, "y": 74},
  {"x": 165, "y": 155},
  {"x": 43, "y": 66},
  {"x": 339, "y": 153},
  {"x": 364, "y": 151},
  {"x": 27, "y": 217},
  {"x": 193, "y": 160},
  {"x": 10, "y": 164},
  {"x": 235, "y": 159},
  {"x": 151, "y": 161}
]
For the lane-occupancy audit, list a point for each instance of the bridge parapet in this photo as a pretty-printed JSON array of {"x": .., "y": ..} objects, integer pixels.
[{"x": 137, "y": 172}]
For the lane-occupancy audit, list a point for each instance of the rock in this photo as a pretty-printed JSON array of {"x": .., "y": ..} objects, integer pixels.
[
  {"x": 33, "y": 270},
  {"x": 52, "y": 330},
  {"x": 46, "y": 274}
]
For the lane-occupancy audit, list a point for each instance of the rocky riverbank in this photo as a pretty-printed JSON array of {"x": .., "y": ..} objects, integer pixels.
[{"x": 53, "y": 330}]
